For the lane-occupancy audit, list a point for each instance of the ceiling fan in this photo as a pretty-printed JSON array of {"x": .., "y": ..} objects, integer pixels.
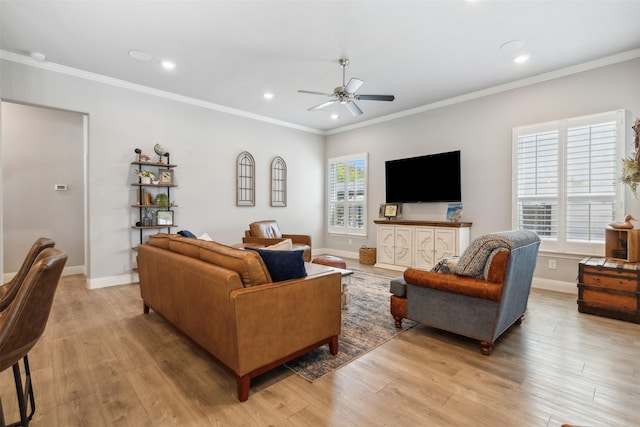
[{"x": 346, "y": 94}]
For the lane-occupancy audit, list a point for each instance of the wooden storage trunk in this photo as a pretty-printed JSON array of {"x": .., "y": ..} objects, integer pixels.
[{"x": 610, "y": 288}]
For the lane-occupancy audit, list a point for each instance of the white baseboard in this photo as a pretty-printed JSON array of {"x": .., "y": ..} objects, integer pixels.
[
  {"x": 67, "y": 271},
  {"x": 105, "y": 282},
  {"x": 555, "y": 285}
]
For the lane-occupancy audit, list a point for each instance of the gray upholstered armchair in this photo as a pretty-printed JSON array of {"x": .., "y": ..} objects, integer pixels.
[{"x": 483, "y": 294}]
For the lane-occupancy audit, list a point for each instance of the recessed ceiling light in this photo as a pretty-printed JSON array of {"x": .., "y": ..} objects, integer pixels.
[
  {"x": 512, "y": 46},
  {"x": 169, "y": 65},
  {"x": 140, "y": 55},
  {"x": 37, "y": 56},
  {"x": 335, "y": 116},
  {"x": 267, "y": 95},
  {"x": 521, "y": 59}
]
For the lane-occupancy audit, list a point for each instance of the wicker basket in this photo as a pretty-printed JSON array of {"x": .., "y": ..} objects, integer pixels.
[{"x": 367, "y": 255}]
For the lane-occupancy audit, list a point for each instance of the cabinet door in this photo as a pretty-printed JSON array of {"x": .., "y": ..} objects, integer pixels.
[
  {"x": 385, "y": 253},
  {"x": 423, "y": 248},
  {"x": 403, "y": 246},
  {"x": 445, "y": 244}
]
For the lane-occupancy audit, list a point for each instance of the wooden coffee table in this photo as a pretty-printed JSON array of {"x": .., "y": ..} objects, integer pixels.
[{"x": 345, "y": 281}]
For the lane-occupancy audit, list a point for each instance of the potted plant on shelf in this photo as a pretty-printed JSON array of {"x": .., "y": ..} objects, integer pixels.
[{"x": 145, "y": 176}]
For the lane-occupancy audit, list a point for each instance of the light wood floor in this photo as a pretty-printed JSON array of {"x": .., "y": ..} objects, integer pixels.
[{"x": 101, "y": 362}]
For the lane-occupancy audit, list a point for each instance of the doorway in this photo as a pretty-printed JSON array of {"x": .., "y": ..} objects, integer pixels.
[{"x": 43, "y": 183}]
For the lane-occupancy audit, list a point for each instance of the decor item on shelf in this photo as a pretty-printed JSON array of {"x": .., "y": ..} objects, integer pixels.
[
  {"x": 624, "y": 225},
  {"x": 631, "y": 165},
  {"x": 161, "y": 152},
  {"x": 142, "y": 157},
  {"x": 146, "y": 219},
  {"x": 145, "y": 176},
  {"x": 162, "y": 200},
  {"x": 165, "y": 217},
  {"x": 166, "y": 176}
]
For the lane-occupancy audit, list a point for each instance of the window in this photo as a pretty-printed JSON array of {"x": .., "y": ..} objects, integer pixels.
[
  {"x": 278, "y": 182},
  {"x": 245, "y": 183},
  {"x": 347, "y": 196},
  {"x": 566, "y": 185}
]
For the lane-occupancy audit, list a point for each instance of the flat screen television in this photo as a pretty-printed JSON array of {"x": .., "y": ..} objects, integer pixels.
[{"x": 430, "y": 178}]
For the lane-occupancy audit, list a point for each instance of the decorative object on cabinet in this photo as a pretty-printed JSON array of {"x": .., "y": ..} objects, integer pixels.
[
  {"x": 418, "y": 244},
  {"x": 278, "y": 182},
  {"x": 626, "y": 224},
  {"x": 454, "y": 212},
  {"x": 245, "y": 182},
  {"x": 390, "y": 210},
  {"x": 153, "y": 197}
]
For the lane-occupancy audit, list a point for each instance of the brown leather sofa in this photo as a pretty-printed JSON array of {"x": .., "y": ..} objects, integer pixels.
[
  {"x": 268, "y": 233},
  {"x": 223, "y": 298}
]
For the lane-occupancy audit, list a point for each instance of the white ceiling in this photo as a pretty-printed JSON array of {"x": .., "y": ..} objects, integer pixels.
[{"x": 228, "y": 53}]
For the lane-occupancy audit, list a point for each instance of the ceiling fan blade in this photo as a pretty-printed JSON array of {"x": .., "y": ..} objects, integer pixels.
[
  {"x": 353, "y": 109},
  {"x": 323, "y": 105},
  {"x": 375, "y": 97},
  {"x": 353, "y": 85},
  {"x": 315, "y": 93}
]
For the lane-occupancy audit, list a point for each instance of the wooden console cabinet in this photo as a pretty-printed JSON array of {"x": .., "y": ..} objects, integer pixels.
[
  {"x": 418, "y": 244},
  {"x": 609, "y": 287}
]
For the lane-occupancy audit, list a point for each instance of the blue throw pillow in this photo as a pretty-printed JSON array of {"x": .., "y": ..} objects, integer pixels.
[
  {"x": 187, "y": 233},
  {"x": 283, "y": 265}
]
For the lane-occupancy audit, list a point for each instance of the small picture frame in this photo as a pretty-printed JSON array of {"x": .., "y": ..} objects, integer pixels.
[
  {"x": 391, "y": 210},
  {"x": 166, "y": 176},
  {"x": 165, "y": 218}
]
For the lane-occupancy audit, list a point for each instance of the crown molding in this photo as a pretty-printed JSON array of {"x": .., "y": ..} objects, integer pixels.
[{"x": 123, "y": 84}]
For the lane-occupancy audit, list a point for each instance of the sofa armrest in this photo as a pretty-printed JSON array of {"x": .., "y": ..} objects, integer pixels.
[
  {"x": 453, "y": 283},
  {"x": 275, "y": 320}
]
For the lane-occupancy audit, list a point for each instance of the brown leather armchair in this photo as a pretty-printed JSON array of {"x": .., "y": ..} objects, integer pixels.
[
  {"x": 9, "y": 290},
  {"x": 268, "y": 233},
  {"x": 24, "y": 321}
]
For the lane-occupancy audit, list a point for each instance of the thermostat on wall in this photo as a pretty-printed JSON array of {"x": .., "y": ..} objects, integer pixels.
[{"x": 60, "y": 187}]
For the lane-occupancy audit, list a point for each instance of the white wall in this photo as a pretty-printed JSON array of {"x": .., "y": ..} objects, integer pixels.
[
  {"x": 203, "y": 142},
  {"x": 42, "y": 147},
  {"x": 481, "y": 129}
]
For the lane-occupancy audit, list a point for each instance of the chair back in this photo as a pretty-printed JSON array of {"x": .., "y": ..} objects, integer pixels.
[
  {"x": 266, "y": 229},
  {"x": 24, "y": 321},
  {"x": 9, "y": 290}
]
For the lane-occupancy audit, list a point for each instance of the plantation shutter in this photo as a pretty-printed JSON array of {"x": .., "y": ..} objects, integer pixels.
[
  {"x": 566, "y": 185},
  {"x": 347, "y": 195}
]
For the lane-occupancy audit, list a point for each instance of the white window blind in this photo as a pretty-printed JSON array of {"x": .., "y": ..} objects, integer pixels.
[
  {"x": 566, "y": 185},
  {"x": 347, "y": 198}
]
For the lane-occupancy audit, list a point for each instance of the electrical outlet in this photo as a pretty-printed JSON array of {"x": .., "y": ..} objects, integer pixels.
[{"x": 552, "y": 264}]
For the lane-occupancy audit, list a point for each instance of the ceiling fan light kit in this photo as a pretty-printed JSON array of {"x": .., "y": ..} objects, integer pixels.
[{"x": 346, "y": 94}]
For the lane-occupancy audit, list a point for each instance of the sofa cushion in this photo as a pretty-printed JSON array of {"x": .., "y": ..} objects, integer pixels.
[
  {"x": 186, "y": 233},
  {"x": 446, "y": 265},
  {"x": 285, "y": 245},
  {"x": 282, "y": 265}
]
